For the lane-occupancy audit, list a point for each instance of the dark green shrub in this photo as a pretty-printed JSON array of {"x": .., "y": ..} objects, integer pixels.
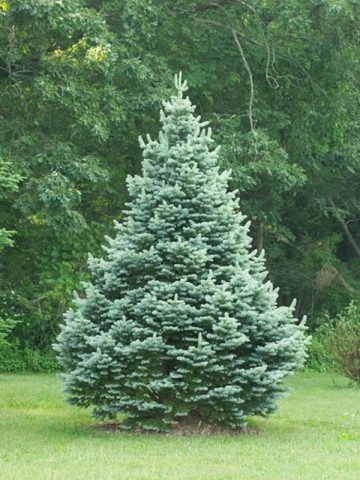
[
  {"x": 6, "y": 325},
  {"x": 344, "y": 342},
  {"x": 13, "y": 359},
  {"x": 8, "y": 317},
  {"x": 319, "y": 355}
]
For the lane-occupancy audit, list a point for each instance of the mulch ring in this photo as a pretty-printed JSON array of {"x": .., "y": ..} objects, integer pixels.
[{"x": 178, "y": 430}]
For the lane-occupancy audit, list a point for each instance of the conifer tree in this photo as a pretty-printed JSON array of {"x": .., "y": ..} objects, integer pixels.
[{"x": 179, "y": 323}]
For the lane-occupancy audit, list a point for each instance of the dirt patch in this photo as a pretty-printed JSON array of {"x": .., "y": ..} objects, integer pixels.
[{"x": 178, "y": 430}]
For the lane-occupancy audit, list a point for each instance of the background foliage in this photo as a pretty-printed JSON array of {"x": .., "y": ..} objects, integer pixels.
[{"x": 81, "y": 79}]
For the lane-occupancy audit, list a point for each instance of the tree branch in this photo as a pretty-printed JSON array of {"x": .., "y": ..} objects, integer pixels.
[
  {"x": 243, "y": 58},
  {"x": 251, "y": 100},
  {"x": 270, "y": 79},
  {"x": 203, "y": 7},
  {"x": 207, "y": 21}
]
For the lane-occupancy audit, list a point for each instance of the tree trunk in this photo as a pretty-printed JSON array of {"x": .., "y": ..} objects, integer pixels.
[
  {"x": 260, "y": 237},
  {"x": 347, "y": 232}
]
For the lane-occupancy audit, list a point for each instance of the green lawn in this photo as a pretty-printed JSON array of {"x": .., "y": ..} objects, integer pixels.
[{"x": 314, "y": 435}]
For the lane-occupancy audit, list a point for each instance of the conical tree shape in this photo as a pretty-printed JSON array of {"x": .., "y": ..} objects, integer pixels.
[{"x": 179, "y": 322}]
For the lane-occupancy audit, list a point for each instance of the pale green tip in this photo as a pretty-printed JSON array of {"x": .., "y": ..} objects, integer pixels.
[{"x": 180, "y": 85}]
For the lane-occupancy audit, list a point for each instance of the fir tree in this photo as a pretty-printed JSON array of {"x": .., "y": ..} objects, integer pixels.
[{"x": 179, "y": 323}]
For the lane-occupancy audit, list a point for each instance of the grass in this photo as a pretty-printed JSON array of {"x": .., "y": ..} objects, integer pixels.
[{"x": 314, "y": 435}]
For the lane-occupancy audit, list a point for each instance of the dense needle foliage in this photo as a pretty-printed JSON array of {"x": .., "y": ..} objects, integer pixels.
[{"x": 179, "y": 322}]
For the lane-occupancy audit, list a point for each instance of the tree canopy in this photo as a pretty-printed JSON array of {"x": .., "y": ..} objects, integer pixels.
[{"x": 80, "y": 80}]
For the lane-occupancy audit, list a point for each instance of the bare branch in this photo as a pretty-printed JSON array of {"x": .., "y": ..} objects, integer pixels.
[
  {"x": 246, "y": 65},
  {"x": 244, "y": 60},
  {"x": 203, "y": 7},
  {"x": 352, "y": 220},
  {"x": 209, "y": 22},
  {"x": 270, "y": 63}
]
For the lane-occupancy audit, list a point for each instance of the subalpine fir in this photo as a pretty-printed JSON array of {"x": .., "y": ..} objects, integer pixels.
[{"x": 179, "y": 323}]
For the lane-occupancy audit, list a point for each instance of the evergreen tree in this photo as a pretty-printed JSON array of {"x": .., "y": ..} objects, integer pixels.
[{"x": 179, "y": 322}]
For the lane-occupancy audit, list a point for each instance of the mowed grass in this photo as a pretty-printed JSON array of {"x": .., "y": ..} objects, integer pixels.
[{"x": 314, "y": 435}]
